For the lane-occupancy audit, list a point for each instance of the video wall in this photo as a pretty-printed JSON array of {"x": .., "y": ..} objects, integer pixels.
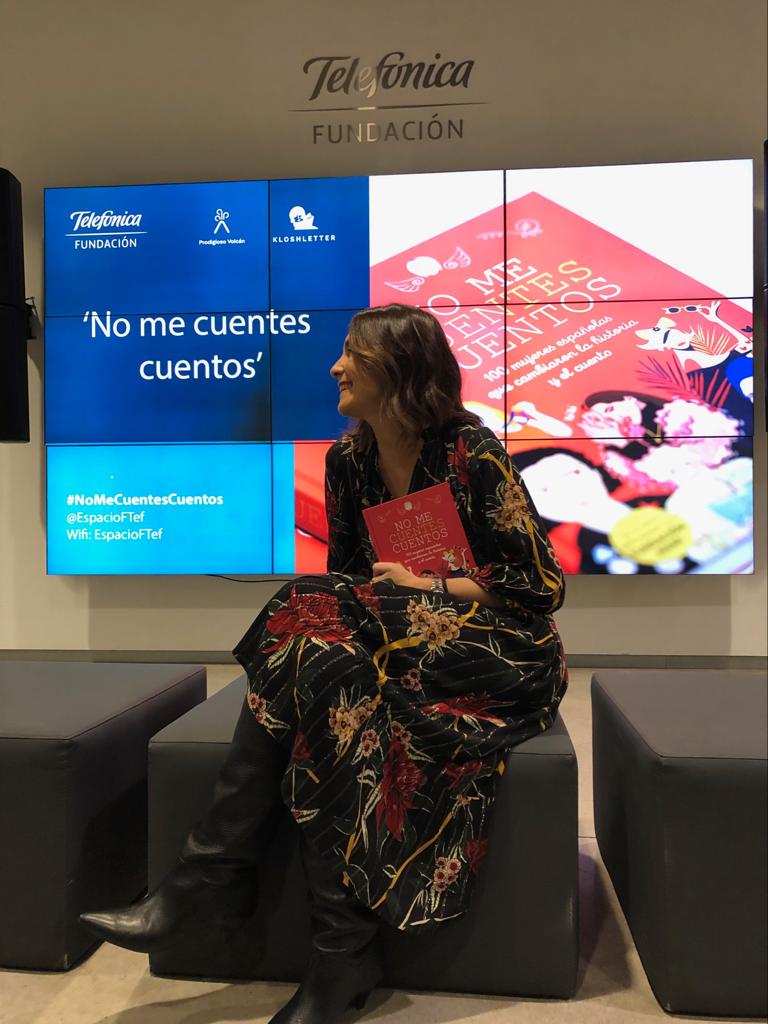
[{"x": 601, "y": 317}]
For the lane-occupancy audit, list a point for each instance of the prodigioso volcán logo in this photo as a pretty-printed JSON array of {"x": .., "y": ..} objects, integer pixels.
[{"x": 222, "y": 231}]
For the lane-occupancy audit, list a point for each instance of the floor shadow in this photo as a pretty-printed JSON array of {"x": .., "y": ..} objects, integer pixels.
[
  {"x": 259, "y": 1001},
  {"x": 603, "y": 951},
  {"x": 246, "y": 1001},
  {"x": 233, "y": 1002}
]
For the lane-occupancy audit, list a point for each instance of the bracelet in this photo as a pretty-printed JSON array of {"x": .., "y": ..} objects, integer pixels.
[{"x": 438, "y": 585}]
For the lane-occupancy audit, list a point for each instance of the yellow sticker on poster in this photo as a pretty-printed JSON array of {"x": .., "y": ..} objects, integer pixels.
[{"x": 650, "y": 535}]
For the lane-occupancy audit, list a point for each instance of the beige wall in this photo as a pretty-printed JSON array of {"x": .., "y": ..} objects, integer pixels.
[{"x": 183, "y": 90}]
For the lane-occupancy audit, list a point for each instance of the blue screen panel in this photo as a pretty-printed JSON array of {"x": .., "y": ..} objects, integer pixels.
[
  {"x": 163, "y": 248},
  {"x": 284, "y": 506},
  {"x": 160, "y": 509},
  {"x": 304, "y": 394},
  {"x": 167, "y": 377},
  {"x": 191, "y": 329},
  {"x": 319, "y": 243}
]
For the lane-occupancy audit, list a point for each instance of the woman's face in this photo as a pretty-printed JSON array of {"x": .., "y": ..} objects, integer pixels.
[{"x": 359, "y": 394}]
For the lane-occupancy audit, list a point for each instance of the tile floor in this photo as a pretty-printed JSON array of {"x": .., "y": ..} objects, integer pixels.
[{"x": 114, "y": 986}]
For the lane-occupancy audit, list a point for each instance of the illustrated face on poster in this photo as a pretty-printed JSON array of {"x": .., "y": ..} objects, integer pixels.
[{"x": 601, "y": 312}]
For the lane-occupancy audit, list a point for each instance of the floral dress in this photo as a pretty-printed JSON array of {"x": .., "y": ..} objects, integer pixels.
[{"x": 399, "y": 705}]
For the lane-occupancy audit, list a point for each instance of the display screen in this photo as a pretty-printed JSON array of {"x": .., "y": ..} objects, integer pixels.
[{"x": 601, "y": 317}]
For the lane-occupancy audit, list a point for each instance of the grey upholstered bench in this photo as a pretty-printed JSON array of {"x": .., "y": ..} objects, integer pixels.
[
  {"x": 680, "y": 816},
  {"x": 73, "y": 767},
  {"x": 519, "y": 937}
]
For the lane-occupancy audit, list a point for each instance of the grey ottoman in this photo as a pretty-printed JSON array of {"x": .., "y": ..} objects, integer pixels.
[
  {"x": 73, "y": 765},
  {"x": 519, "y": 937},
  {"x": 680, "y": 817}
]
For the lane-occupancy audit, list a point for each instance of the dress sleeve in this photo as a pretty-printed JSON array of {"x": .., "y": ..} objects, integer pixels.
[
  {"x": 343, "y": 541},
  {"x": 522, "y": 568}
]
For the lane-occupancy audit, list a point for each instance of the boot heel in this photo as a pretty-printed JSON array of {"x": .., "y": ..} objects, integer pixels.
[{"x": 360, "y": 1000}]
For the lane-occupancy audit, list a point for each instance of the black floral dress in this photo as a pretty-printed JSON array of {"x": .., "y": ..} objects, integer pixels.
[{"x": 399, "y": 704}]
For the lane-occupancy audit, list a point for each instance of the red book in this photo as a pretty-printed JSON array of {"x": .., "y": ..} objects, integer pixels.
[{"x": 422, "y": 530}]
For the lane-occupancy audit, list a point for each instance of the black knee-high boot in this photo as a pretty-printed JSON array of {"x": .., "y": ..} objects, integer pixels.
[
  {"x": 214, "y": 873},
  {"x": 345, "y": 963}
]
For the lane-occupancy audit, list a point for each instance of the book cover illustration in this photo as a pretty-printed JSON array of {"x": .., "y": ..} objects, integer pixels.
[
  {"x": 422, "y": 530},
  {"x": 569, "y": 318}
]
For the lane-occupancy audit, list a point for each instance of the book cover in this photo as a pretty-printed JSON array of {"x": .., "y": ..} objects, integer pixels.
[
  {"x": 576, "y": 316},
  {"x": 422, "y": 530}
]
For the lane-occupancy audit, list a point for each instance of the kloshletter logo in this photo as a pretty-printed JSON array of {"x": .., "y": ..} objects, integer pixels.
[{"x": 303, "y": 221}]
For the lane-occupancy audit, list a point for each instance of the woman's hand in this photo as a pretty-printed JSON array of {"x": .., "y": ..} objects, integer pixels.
[{"x": 403, "y": 577}]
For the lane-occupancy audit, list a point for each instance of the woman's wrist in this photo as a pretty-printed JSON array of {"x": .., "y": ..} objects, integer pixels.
[{"x": 427, "y": 582}]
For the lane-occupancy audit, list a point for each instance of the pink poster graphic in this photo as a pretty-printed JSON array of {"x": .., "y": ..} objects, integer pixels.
[{"x": 563, "y": 329}]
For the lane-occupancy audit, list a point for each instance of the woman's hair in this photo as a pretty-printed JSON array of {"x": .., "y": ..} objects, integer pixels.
[{"x": 405, "y": 350}]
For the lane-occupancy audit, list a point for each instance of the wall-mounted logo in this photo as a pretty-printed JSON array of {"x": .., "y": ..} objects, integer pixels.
[
  {"x": 348, "y": 75},
  {"x": 337, "y": 81},
  {"x": 105, "y": 230},
  {"x": 220, "y": 218},
  {"x": 304, "y": 228}
]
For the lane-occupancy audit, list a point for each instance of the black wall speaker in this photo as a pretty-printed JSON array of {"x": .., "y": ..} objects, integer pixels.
[{"x": 14, "y": 403}]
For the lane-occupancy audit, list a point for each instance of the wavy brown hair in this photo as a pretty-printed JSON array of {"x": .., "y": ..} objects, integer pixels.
[{"x": 405, "y": 350}]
